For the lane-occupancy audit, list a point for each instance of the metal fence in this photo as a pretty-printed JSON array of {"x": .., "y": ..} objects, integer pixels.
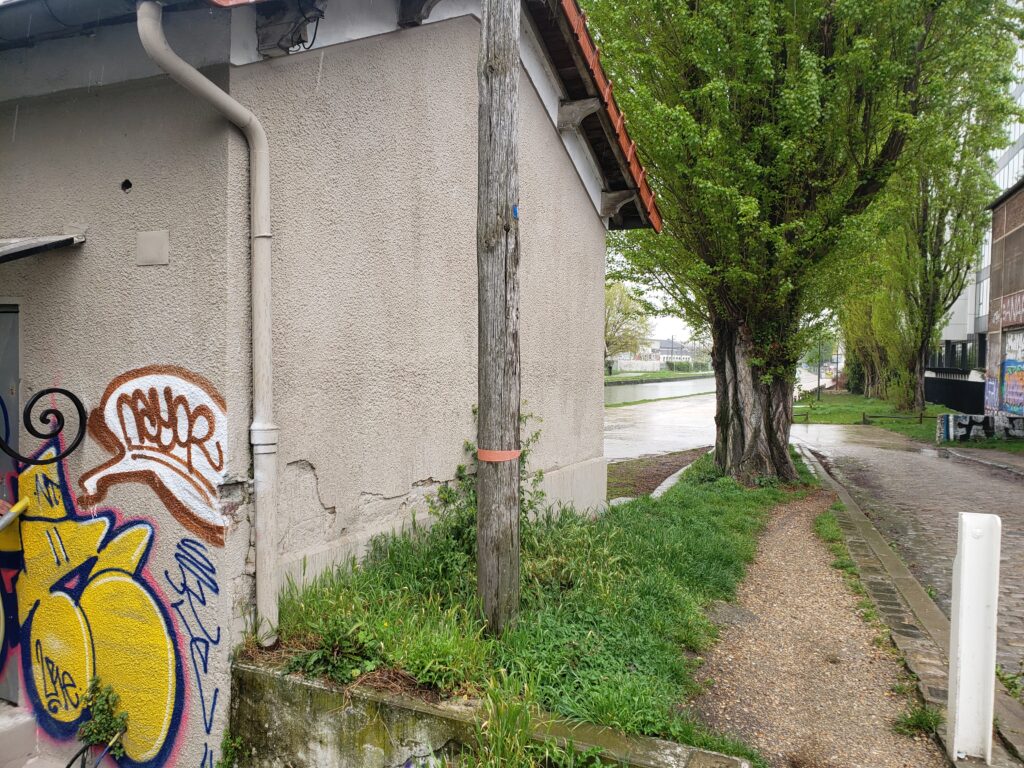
[{"x": 956, "y": 393}]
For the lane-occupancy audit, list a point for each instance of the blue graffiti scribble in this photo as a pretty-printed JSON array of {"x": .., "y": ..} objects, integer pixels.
[{"x": 196, "y": 585}]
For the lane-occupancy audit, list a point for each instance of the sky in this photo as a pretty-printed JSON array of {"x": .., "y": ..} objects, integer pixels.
[{"x": 667, "y": 327}]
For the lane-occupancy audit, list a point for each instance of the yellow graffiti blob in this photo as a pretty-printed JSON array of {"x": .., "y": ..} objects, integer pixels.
[{"x": 85, "y": 612}]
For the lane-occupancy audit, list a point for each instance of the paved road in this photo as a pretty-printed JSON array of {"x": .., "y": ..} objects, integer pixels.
[
  {"x": 913, "y": 495},
  {"x": 666, "y": 425}
]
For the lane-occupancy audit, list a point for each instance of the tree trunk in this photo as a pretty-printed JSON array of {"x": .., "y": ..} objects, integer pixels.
[
  {"x": 752, "y": 418},
  {"x": 920, "y": 363},
  {"x": 498, "y": 315}
]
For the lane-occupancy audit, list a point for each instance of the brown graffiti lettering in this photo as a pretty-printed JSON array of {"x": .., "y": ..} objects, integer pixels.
[
  {"x": 174, "y": 424},
  {"x": 167, "y": 427}
]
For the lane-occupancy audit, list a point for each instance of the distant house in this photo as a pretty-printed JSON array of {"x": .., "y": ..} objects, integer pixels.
[{"x": 248, "y": 420}]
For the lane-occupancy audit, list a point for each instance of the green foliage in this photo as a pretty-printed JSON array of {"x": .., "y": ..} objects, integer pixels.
[
  {"x": 503, "y": 739},
  {"x": 104, "y": 723},
  {"x": 854, "y": 375},
  {"x": 932, "y": 218},
  {"x": 609, "y": 605},
  {"x": 826, "y": 526},
  {"x": 919, "y": 719},
  {"x": 771, "y": 130},
  {"x": 1014, "y": 681},
  {"x": 821, "y": 348},
  {"x": 627, "y": 322},
  {"x": 682, "y": 366},
  {"x": 768, "y": 128},
  {"x": 231, "y": 749}
]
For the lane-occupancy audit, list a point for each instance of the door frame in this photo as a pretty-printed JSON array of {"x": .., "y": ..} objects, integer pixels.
[{"x": 9, "y": 683}]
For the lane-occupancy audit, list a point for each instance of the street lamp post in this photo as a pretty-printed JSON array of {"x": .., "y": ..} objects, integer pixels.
[{"x": 819, "y": 368}]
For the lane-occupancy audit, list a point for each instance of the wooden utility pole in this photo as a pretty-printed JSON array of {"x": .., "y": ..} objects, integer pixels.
[{"x": 497, "y": 255}]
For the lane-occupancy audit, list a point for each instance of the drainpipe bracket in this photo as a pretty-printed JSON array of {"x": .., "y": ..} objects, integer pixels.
[{"x": 264, "y": 437}]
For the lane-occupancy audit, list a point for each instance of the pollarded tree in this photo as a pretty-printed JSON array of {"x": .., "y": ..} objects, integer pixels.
[{"x": 769, "y": 127}]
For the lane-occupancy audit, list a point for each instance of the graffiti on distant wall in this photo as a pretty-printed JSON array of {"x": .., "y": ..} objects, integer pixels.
[
  {"x": 964, "y": 427},
  {"x": 971, "y": 428},
  {"x": 194, "y": 581},
  {"x": 1012, "y": 309},
  {"x": 166, "y": 427},
  {"x": 1013, "y": 373},
  {"x": 85, "y": 608}
]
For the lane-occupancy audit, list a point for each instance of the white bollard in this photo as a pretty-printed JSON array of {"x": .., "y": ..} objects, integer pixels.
[{"x": 972, "y": 642}]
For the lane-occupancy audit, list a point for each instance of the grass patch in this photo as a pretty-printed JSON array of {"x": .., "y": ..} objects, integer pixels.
[
  {"x": 835, "y": 408},
  {"x": 654, "y": 400},
  {"x": 1014, "y": 681},
  {"x": 919, "y": 719},
  {"x": 610, "y": 606},
  {"x": 635, "y": 477},
  {"x": 993, "y": 444},
  {"x": 640, "y": 378},
  {"x": 826, "y": 527}
]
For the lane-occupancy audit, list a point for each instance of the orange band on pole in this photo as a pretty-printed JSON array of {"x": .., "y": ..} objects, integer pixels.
[{"x": 496, "y": 457}]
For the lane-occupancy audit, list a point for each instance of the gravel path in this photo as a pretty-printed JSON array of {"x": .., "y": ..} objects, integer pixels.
[{"x": 795, "y": 672}]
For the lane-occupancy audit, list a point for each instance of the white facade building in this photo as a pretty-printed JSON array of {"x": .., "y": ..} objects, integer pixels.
[{"x": 964, "y": 339}]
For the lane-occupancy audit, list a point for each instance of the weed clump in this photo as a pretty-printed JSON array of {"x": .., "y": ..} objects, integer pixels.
[
  {"x": 610, "y": 605},
  {"x": 919, "y": 719},
  {"x": 105, "y": 725}
]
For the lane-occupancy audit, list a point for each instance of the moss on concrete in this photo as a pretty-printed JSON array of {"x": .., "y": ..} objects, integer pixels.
[{"x": 286, "y": 720}]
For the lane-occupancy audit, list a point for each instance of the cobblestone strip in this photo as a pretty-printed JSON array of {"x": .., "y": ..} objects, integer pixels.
[{"x": 918, "y": 627}]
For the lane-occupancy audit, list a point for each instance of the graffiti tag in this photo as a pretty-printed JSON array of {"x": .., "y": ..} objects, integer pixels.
[
  {"x": 195, "y": 582},
  {"x": 60, "y": 690},
  {"x": 1012, "y": 311},
  {"x": 85, "y": 609},
  {"x": 166, "y": 427}
]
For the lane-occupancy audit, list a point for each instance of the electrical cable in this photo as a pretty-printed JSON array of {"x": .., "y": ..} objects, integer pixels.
[{"x": 79, "y": 753}]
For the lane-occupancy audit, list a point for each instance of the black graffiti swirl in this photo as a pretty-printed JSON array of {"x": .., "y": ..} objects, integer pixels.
[{"x": 53, "y": 423}]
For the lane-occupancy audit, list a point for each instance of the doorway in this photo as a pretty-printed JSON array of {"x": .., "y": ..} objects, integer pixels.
[{"x": 10, "y": 409}]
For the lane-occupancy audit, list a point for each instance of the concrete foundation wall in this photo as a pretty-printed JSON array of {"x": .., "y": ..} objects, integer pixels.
[{"x": 964, "y": 427}]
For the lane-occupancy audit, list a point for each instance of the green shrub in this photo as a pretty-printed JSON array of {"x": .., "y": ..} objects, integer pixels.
[{"x": 105, "y": 725}]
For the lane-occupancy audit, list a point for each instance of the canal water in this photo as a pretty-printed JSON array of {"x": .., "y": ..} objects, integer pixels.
[{"x": 627, "y": 393}]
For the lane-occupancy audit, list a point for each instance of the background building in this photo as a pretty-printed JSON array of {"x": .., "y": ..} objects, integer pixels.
[{"x": 965, "y": 342}]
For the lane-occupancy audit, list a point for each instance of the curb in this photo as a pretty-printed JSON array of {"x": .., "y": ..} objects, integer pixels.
[
  {"x": 708, "y": 375},
  {"x": 976, "y": 460},
  {"x": 917, "y": 625},
  {"x": 672, "y": 479}
]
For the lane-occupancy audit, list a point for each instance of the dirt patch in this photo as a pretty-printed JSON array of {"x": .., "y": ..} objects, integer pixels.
[
  {"x": 397, "y": 681},
  {"x": 637, "y": 477},
  {"x": 804, "y": 681}
]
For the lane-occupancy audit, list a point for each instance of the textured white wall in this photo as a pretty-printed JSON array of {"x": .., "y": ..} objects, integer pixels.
[
  {"x": 90, "y": 314},
  {"x": 374, "y": 187},
  {"x": 374, "y": 172}
]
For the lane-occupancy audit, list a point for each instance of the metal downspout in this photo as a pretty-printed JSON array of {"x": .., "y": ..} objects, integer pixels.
[{"x": 263, "y": 433}]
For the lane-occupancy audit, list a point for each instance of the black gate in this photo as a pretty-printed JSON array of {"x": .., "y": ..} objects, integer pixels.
[{"x": 956, "y": 393}]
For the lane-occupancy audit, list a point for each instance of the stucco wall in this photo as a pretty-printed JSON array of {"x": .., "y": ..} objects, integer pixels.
[
  {"x": 374, "y": 185},
  {"x": 147, "y": 585},
  {"x": 374, "y": 173}
]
